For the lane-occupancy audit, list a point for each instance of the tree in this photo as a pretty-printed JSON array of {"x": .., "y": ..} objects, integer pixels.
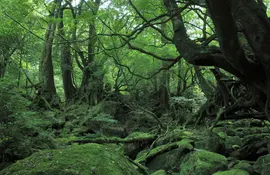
[
  {"x": 47, "y": 89},
  {"x": 66, "y": 61},
  {"x": 230, "y": 18}
]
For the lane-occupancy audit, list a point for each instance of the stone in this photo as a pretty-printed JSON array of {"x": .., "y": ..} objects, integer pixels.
[
  {"x": 262, "y": 165},
  {"x": 159, "y": 172},
  {"x": 203, "y": 162},
  {"x": 232, "y": 172},
  {"x": 88, "y": 159}
]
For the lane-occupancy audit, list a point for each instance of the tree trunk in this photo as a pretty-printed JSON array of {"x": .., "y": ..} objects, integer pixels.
[
  {"x": 231, "y": 17},
  {"x": 205, "y": 86},
  {"x": 164, "y": 79},
  {"x": 92, "y": 85},
  {"x": 66, "y": 62},
  {"x": 48, "y": 90}
]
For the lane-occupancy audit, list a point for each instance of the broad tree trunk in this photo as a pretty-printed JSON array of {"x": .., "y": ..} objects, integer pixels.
[{"x": 231, "y": 17}]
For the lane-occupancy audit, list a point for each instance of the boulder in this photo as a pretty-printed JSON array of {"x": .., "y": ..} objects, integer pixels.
[
  {"x": 159, "y": 172},
  {"x": 88, "y": 159},
  {"x": 261, "y": 166},
  {"x": 139, "y": 122},
  {"x": 132, "y": 149},
  {"x": 254, "y": 146},
  {"x": 203, "y": 162},
  {"x": 166, "y": 157},
  {"x": 244, "y": 165},
  {"x": 212, "y": 142},
  {"x": 232, "y": 172}
]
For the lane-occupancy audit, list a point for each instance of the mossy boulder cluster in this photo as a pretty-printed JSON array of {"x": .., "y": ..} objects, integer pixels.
[{"x": 88, "y": 143}]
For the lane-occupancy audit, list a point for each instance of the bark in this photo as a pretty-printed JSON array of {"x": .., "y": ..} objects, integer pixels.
[
  {"x": 226, "y": 30},
  {"x": 230, "y": 57},
  {"x": 164, "y": 79},
  {"x": 66, "y": 62},
  {"x": 231, "y": 17},
  {"x": 179, "y": 80},
  {"x": 205, "y": 86},
  {"x": 92, "y": 85},
  {"x": 2, "y": 68},
  {"x": 46, "y": 65}
]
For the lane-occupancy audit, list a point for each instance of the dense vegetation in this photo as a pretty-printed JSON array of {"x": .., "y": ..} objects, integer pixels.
[{"x": 135, "y": 87}]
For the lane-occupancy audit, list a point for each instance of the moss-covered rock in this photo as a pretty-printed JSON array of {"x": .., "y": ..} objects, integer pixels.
[
  {"x": 88, "y": 159},
  {"x": 232, "y": 172},
  {"x": 166, "y": 157},
  {"x": 159, "y": 172},
  {"x": 203, "y": 162},
  {"x": 211, "y": 142},
  {"x": 133, "y": 148},
  {"x": 177, "y": 135},
  {"x": 244, "y": 165},
  {"x": 139, "y": 122},
  {"x": 262, "y": 165}
]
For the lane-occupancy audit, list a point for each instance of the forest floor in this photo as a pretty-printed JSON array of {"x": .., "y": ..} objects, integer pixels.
[{"x": 116, "y": 139}]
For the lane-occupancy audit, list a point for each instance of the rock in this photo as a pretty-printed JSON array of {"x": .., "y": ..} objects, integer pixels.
[
  {"x": 90, "y": 159},
  {"x": 253, "y": 147},
  {"x": 159, "y": 172},
  {"x": 174, "y": 136},
  {"x": 132, "y": 149},
  {"x": 167, "y": 157},
  {"x": 232, "y": 172},
  {"x": 139, "y": 122},
  {"x": 107, "y": 107},
  {"x": 233, "y": 143},
  {"x": 203, "y": 162},
  {"x": 261, "y": 166},
  {"x": 168, "y": 161},
  {"x": 243, "y": 165},
  {"x": 212, "y": 142}
]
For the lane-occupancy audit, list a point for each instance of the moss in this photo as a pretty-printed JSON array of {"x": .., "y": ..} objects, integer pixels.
[
  {"x": 184, "y": 144},
  {"x": 137, "y": 135},
  {"x": 244, "y": 166},
  {"x": 159, "y": 172},
  {"x": 66, "y": 140},
  {"x": 203, "y": 163},
  {"x": 88, "y": 159},
  {"x": 232, "y": 172},
  {"x": 261, "y": 165}
]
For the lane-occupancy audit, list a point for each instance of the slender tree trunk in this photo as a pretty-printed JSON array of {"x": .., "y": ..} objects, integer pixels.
[
  {"x": 48, "y": 90},
  {"x": 164, "y": 80},
  {"x": 92, "y": 85},
  {"x": 66, "y": 63},
  {"x": 179, "y": 80}
]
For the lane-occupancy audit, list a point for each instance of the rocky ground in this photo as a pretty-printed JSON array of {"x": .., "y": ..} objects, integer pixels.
[{"x": 112, "y": 140}]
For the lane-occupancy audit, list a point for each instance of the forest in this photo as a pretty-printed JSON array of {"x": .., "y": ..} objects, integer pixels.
[{"x": 135, "y": 87}]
